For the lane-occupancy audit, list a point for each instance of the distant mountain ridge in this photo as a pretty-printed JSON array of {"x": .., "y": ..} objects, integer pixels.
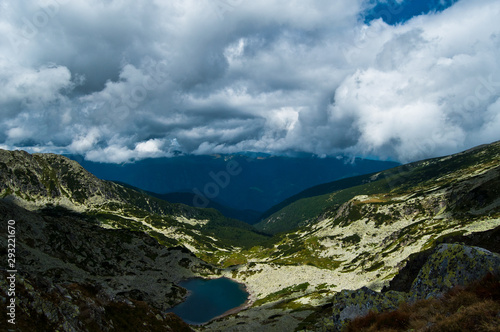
[
  {"x": 262, "y": 180},
  {"x": 248, "y": 216}
]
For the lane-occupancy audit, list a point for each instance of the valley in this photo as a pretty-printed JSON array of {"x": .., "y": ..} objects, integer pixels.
[
  {"x": 76, "y": 230},
  {"x": 239, "y": 185},
  {"x": 250, "y": 166}
]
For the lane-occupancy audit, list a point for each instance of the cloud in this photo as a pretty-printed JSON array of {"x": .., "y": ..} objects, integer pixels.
[
  {"x": 118, "y": 152},
  {"x": 119, "y": 81},
  {"x": 85, "y": 142}
]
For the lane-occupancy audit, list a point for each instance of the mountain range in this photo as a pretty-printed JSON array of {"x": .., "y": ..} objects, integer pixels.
[
  {"x": 259, "y": 182},
  {"x": 96, "y": 255}
]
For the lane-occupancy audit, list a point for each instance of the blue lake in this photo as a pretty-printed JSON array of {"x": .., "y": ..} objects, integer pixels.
[{"x": 209, "y": 298}]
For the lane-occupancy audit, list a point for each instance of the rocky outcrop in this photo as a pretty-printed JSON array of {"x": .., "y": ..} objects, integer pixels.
[
  {"x": 350, "y": 304},
  {"x": 49, "y": 177},
  {"x": 489, "y": 240},
  {"x": 44, "y": 306},
  {"x": 36, "y": 180},
  {"x": 452, "y": 265},
  {"x": 71, "y": 270},
  {"x": 449, "y": 265}
]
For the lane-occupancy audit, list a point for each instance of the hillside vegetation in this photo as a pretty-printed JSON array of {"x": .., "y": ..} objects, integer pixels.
[
  {"x": 348, "y": 239},
  {"x": 363, "y": 235},
  {"x": 38, "y": 180},
  {"x": 325, "y": 200}
]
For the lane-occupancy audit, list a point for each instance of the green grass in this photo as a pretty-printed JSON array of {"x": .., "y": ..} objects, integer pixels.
[
  {"x": 375, "y": 267},
  {"x": 434, "y": 242},
  {"x": 306, "y": 257},
  {"x": 282, "y": 293},
  {"x": 324, "y": 200},
  {"x": 236, "y": 258}
]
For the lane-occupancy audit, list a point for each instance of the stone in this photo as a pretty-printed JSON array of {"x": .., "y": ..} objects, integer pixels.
[{"x": 451, "y": 265}]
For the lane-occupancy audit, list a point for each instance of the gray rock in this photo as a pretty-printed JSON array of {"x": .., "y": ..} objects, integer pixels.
[{"x": 451, "y": 265}]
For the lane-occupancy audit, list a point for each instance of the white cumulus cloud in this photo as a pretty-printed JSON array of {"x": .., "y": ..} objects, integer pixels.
[{"x": 118, "y": 81}]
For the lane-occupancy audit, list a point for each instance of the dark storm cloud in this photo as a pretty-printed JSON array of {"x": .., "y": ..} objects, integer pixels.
[{"x": 122, "y": 80}]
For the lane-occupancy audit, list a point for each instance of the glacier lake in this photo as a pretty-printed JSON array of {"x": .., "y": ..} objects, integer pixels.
[{"x": 209, "y": 298}]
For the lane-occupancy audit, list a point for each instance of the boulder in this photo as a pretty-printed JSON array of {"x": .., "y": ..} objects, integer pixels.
[
  {"x": 349, "y": 304},
  {"x": 452, "y": 265},
  {"x": 447, "y": 266}
]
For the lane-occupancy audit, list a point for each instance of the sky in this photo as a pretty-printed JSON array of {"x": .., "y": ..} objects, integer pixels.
[{"x": 118, "y": 81}]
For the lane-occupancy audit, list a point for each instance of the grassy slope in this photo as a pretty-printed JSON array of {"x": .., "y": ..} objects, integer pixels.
[
  {"x": 407, "y": 178},
  {"x": 53, "y": 178},
  {"x": 230, "y": 231}
]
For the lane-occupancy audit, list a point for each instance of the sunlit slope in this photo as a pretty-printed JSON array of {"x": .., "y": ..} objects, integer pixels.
[
  {"x": 40, "y": 180},
  {"x": 321, "y": 201},
  {"x": 363, "y": 235}
]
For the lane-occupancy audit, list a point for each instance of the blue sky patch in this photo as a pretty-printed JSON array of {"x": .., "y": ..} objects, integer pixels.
[{"x": 393, "y": 12}]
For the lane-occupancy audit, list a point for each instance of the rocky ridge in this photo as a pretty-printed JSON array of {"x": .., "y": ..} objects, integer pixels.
[{"x": 39, "y": 180}]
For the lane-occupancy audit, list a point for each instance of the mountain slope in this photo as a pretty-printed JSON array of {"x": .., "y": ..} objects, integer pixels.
[
  {"x": 319, "y": 190},
  {"x": 260, "y": 182},
  {"x": 305, "y": 208},
  {"x": 73, "y": 272},
  {"x": 358, "y": 236},
  {"x": 33, "y": 181},
  {"x": 248, "y": 216},
  {"x": 362, "y": 236}
]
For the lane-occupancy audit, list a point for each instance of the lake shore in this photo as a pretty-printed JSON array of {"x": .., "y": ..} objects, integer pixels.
[{"x": 248, "y": 303}]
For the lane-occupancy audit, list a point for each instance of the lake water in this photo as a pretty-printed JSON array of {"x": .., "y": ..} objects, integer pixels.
[{"x": 209, "y": 298}]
